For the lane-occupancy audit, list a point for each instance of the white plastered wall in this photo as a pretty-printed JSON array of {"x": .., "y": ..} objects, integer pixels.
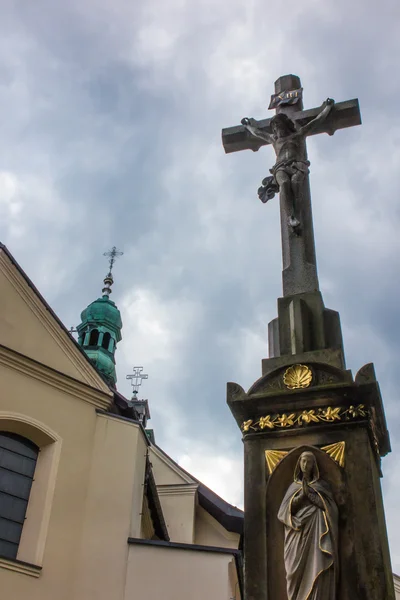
[{"x": 174, "y": 574}]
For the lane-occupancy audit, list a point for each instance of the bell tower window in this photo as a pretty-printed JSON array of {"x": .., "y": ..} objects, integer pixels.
[
  {"x": 94, "y": 337},
  {"x": 106, "y": 341}
]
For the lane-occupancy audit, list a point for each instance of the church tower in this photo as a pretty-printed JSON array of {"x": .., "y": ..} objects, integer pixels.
[{"x": 100, "y": 327}]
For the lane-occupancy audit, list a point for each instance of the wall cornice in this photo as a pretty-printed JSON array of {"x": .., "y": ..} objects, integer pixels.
[
  {"x": 31, "y": 368},
  {"x": 49, "y": 321},
  {"x": 182, "y": 546},
  {"x": 20, "y": 567},
  {"x": 396, "y": 579},
  {"x": 178, "y": 489}
]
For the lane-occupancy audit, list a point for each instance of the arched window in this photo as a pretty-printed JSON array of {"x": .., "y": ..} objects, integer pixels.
[
  {"x": 18, "y": 458},
  {"x": 106, "y": 340},
  {"x": 94, "y": 337}
]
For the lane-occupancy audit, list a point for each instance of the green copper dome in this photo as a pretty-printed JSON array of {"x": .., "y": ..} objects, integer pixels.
[
  {"x": 104, "y": 312},
  {"x": 100, "y": 331}
]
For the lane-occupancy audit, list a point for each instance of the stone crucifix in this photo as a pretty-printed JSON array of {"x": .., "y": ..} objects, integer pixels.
[{"x": 287, "y": 132}]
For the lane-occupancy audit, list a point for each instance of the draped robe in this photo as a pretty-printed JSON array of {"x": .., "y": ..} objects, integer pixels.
[{"x": 311, "y": 536}]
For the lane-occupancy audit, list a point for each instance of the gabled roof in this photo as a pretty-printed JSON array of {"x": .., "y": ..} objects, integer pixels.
[
  {"x": 89, "y": 367},
  {"x": 229, "y": 516},
  {"x": 226, "y": 514},
  {"x": 121, "y": 404}
]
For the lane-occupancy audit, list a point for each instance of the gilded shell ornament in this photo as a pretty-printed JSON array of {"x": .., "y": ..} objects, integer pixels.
[{"x": 297, "y": 376}]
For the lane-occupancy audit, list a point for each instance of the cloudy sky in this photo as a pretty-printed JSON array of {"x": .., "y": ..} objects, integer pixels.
[{"x": 111, "y": 116}]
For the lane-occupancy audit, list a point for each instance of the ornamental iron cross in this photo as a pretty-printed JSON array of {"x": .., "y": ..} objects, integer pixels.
[
  {"x": 112, "y": 255},
  {"x": 137, "y": 378}
]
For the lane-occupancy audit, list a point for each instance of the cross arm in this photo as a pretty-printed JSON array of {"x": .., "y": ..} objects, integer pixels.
[{"x": 343, "y": 114}]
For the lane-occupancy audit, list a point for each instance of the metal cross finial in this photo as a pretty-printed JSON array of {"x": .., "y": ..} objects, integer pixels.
[
  {"x": 112, "y": 255},
  {"x": 137, "y": 378}
]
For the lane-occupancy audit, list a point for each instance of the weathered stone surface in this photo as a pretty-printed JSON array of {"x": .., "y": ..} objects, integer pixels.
[
  {"x": 304, "y": 325},
  {"x": 303, "y": 322},
  {"x": 317, "y": 403},
  {"x": 273, "y": 338},
  {"x": 364, "y": 556},
  {"x": 322, "y": 375},
  {"x": 287, "y": 82},
  {"x": 237, "y": 138},
  {"x": 365, "y": 571},
  {"x": 328, "y": 356}
]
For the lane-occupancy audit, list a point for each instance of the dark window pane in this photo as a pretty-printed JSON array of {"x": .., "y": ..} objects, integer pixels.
[
  {"x": 12, "y": 508},
  {"x": 10, "y": 531},
  {"x": 17, "y": 462},
  {"x": 8, "y": 549},
  {"x": 14, "y": 484},
  {"x": 106, "y": 340},
  {"x": 18, "y": 444},
  {"x": 94, "y": 337},
  {"x": 17, "y": 465}
]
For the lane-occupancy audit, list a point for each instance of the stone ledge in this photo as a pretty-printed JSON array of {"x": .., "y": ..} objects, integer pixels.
[
  {"x": 20, "y": 567},
  {"x": 183, "y": 546},
  {"x": 177, "y": 489},
  {"x": 396, "y": 579}
]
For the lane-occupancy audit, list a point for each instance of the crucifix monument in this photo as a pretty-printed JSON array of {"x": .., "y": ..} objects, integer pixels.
[
  {"x": 313, "y": 435},
  {"x": 287, "y": 132}
]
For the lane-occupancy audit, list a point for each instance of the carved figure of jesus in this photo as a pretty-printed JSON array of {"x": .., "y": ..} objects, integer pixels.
[{"x": 291, "y": 167}]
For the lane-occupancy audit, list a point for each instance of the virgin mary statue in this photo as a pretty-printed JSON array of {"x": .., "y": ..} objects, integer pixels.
[{"x": 310, "y": 516}]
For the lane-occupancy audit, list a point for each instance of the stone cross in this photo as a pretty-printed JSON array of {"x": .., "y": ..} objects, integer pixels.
[{"x": 287, "y": 133}]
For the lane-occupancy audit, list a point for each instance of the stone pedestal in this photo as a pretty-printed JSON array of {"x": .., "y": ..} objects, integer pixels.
[
  {"x": 303, "y": 325},
  {"x": 333, "y": 410}
]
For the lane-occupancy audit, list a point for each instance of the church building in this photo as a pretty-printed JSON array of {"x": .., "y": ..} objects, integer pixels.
[{"x": 90, "y": 507}]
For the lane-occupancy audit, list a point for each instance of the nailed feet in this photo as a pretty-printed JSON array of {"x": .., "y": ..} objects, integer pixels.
[{"x": 294, "y": 224}]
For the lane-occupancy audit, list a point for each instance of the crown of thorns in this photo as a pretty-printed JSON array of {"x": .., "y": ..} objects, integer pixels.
[{"x": 284, "y": 120}]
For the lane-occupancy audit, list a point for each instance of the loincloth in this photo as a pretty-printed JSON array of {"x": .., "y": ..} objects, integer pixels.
[
  {"x": 270, "y": 185},
  {"x": 291, "y": 167}
]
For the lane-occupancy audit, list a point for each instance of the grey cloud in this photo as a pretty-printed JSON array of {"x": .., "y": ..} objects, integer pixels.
[{"x": 114, "y": 113}]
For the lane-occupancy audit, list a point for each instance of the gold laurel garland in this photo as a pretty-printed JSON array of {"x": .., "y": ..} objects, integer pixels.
[{"x": 305, "y": 417}]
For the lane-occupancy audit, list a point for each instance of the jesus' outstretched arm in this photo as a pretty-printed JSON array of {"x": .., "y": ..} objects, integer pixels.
[
  {"x": 326, "y": 109},
  {"x": 252, "y": 128}
]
